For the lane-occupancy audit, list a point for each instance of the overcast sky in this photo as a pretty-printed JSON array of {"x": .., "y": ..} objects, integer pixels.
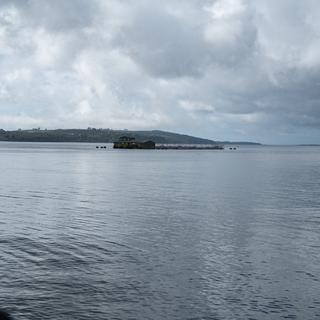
[{"x": 221, "y": 69}]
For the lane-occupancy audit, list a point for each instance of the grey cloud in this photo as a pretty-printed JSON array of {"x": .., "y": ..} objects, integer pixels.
[
  {"x": 58, "y": 15},
  {"x": 163, "y": 44},
  {"x": 167, "y": 44}
]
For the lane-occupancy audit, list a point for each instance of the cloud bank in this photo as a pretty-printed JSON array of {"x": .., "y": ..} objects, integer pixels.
[{"x": 223, "y": 69}]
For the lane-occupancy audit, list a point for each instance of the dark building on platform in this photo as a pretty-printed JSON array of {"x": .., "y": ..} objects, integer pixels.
[{"x": 126, "y": 142}]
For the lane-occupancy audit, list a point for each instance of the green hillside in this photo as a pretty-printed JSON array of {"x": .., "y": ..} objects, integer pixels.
[{"x": 101, "y": 136}]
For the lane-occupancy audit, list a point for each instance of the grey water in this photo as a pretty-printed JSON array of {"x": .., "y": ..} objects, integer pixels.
[{"x": 159, "y": 234}]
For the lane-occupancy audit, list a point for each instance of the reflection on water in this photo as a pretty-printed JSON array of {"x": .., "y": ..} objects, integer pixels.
[{"x": 145, "y": 234}]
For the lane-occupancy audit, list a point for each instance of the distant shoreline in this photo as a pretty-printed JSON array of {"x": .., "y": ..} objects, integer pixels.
[{"x": 93, "y": 135}]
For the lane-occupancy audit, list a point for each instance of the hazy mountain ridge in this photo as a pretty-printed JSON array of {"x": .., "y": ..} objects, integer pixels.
[{"x": 102, "y": 136}]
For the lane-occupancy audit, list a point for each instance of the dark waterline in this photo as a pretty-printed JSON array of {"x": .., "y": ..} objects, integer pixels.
[{"x": 152, "y": 234}]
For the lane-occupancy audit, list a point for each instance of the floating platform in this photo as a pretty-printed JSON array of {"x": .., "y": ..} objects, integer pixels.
[
  {"x": 189, "y": 147},
  {"x": 125, "y": 142}
]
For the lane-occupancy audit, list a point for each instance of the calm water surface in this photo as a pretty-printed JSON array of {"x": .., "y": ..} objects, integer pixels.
[{"x": 145, "y": 234}]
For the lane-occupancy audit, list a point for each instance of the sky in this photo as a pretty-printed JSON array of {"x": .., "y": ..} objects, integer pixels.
[{"x": 244, "y": 70}]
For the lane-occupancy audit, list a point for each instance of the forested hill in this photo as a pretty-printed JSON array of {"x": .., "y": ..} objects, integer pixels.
[{"x": 98, "y": 135}]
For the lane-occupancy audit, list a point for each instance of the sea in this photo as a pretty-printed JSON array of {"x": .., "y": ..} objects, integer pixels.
[{"x": 89, "y": 233}]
